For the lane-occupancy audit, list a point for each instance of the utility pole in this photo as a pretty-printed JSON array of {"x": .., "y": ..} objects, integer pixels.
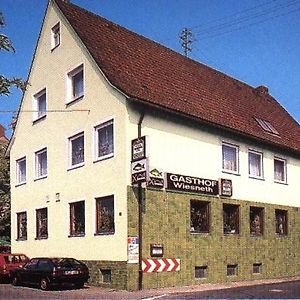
[{"x": 186, "y": 39}]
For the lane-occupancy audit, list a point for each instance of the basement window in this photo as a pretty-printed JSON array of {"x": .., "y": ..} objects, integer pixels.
[
  {"x": 230, "y": 219},
  {"x": 106, "y": 275},
  {"x": 232, "y": 270},
  {"x": 257, "y": 268},
  {"x": 266, "y": 126},
  {"x": 201, "y": 272},
  {"x": 199, "y": 216}
]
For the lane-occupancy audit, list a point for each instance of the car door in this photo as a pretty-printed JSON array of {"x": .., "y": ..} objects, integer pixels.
[
  {"x": 28, "y": 274},
  {"x": 44, "y": 269}
]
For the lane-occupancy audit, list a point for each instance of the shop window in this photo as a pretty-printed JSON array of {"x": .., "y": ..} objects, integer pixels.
[
  {"x": 280, "y": 170},
  {"x": 230, "y": 158},
  {"x": 41, "y": 223},
  {"x": 232, "y": 270},
  {"x": 106, "y": 275},
  {"x": 104, "y": 140},
  {"x": 41, "y": 163},
  {"x": 40, "y": 105},
  {"x": 199, "y": 216},
  {"x": 255, "y": 162},
  {"x": 105, "y": 223},
  {"x": 76, "y": 150},
  {"x": 230, "y": 219},
  {"x": 55, "y": 36},
  {"x": 281, "y": 222},
  {"x": 257, "y": 268},
  {"x": 201, "y": 272},
  {"x": 77, "y": 218},
  {"x": 22, "y": 226},
  {"x": 256, "y": 220},
  {"x": 75, "y": 84},
  {"x": 21, "y": 170}
]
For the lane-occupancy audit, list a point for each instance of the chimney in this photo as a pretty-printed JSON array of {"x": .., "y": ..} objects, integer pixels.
[{"x": 261, "y": 90}]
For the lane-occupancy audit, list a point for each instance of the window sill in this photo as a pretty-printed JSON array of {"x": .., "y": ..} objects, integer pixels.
[
  {"x": 21, "y": 239},
  {"x": 257, "y": 178},
  {"x": 103, "y": 158},
  {"x": 231, "y": 172},
  {"x": 20, "y": 183},
  {"x": 104, "y": 233},
  {"x": 199, "y": 233},
  {"x": 231, "y": 233},
  {"x": 37, "y": 120},
  {"x": 75, "y": 167},
  {"x": 76, "y": 235},
  {"x": 74, "y": 100},
  {"x": 40, "y": 178},
  {"x": 41, "y": 237},
  {"x": 281, "y": 182}
]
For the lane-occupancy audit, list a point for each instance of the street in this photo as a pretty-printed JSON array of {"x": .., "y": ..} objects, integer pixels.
[{"x": 283, "y": 290}]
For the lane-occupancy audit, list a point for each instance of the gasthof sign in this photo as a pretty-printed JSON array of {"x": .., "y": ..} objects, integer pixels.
[{"x": 138, "y": 148}]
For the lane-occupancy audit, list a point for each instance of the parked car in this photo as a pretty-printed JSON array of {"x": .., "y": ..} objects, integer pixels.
[
  {"x": 45, "y": 272},
  {"x": 10, "y": 261}
]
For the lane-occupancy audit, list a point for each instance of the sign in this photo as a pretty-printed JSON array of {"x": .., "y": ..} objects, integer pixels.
[
  {"x": 160, "y": 265},
  {"x": 133, "y": 249},
  {"x": 138, "y": 148},
  {"x": 156, "y": 179},
  {"x": 192, "y": 184},
  {"x": 225, "y": 187},
  {"x": 139, "y": 171},
  {"x": 156, "y": 250}
]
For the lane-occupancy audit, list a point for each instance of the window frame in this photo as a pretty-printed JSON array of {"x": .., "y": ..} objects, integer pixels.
[
  {"x": 71, "y": 96},
  {"x": 72, "y": 231},
  {"x": 21, "y": 237},
  {"x": 284, "y": 161},
  {"x": 37, "y": 156},
  {"x": 235, "y": 231},
  {"x": 206, "y": 206},
  {"x": 237, "y": 151},
  {"x": 97, "y": 127},
  {"x": 18, "y": 161},
  {"x": 38, "y": 214},
  {"x": 260, "y": 211},
  {"x": 37, "y": 113},
  {"x": 70, "y": 150},
  {"x": 261, "y": 169},
  {"x": 285, "y": 222},
  {"x": 54, "y": 43},
  {"x": 112, "y": 230}
]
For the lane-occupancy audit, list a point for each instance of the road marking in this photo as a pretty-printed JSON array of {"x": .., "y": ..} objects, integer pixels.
[
  {"x": 155, "y": 297},
  {"x": 276, "y": 291}
]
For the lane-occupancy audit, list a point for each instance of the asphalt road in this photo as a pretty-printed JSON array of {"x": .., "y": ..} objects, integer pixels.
[{"x": 285, "y": 290}]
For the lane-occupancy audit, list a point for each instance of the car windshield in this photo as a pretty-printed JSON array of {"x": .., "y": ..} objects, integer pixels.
[{"x": 67, "y": 262}]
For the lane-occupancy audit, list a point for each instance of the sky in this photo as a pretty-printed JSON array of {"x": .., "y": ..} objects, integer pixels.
[{"x": 254, "y": 41}]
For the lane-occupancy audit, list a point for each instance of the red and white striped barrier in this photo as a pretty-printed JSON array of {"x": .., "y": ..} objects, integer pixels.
[{"x": 161, "y": 265}]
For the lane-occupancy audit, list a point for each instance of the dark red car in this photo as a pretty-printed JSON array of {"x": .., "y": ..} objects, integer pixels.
[
  {"x": 45, "y": 272},
  {"x": 10, "y": 261}
]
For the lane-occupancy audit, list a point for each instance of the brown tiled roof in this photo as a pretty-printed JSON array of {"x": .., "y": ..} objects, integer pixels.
[{"x": 151, "y": 73}]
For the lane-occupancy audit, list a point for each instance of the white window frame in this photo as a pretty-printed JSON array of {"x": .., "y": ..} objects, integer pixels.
[
  {"x": 260, "y": 154},
  {"x": 37, "y": 114},
  {"x": 55, "y": 42},
  {"x": 18, "y": 177},
  {"x": 284, "y": 170},
  {"x": 70, "y": 149},
  {"x": 237, "y": 149},
  {"x": 36, "y": 163},
  {"x": 98, "y": 126},
  {"x": 70, "y": 84}
]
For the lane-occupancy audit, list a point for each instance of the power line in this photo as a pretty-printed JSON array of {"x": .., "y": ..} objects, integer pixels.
[{"x": 46, "y": 111}]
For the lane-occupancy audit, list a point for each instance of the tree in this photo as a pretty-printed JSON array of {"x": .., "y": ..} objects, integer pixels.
[
  {"x": 7, "y": 83},
  {"x": 4, "y": 193}
]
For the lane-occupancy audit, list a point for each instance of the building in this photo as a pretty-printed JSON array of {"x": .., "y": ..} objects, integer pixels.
[{"x": 223, "y": 159}]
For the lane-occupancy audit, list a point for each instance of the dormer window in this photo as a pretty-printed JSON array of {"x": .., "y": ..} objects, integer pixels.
[
  {"x": 266, "y": 126},
  {"x": 55, "y": 36},
  {"x": 75, "y": 84}
]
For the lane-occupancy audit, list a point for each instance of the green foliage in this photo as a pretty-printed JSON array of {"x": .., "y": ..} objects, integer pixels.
[{"x": 4, "y": 193}]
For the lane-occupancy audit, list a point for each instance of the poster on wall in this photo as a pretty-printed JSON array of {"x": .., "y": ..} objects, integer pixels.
[{"x": 133, "y": 250}]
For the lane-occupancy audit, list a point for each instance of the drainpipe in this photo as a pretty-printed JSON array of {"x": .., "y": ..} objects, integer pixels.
[{"x": 140, "y": 212}]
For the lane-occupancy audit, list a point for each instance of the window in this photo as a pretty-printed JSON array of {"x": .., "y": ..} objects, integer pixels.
[
  {"x": 255, "y": 161},
  {"x": 232, "y": 270},
  {"x": 76, "y": 150},
  {"x": 45, "y": 265},
  {"x": 106, "y": 275},
  {"x": 41, "y": 223},
  {"x": 22, "y": 226},
  {"x": 21, "y": 170},
  {"x": 105, "y": 223},
  {"x": 281, "y": 222},
  {"x": 55, "y": 36},
  {"x": 256, "y": 220},
  {"x": 201, "y": 272},
  {"x": 104, "y": 140},
  {"x": 41, "y": 164},
  {"x": 77, "y": 218},
  {"x": 75, "y": 84},
  {"x": 230, "y": 219},
  {"x": 280, "y": 170},
  {"x": 199, "y": 216},
  {"x": 40, "y": 105},
  {"x": 257, "y": 268},
  {"x": 230, "y": 161},
  {"x": 266, "y": 126}
]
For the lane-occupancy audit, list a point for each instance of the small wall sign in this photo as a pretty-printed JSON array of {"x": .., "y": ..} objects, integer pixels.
[
  {"x": 138, "y": 148},
  {"x": 156, "y": 250},
  {"x": 225, "y": 187},
  {"x": 133, "y": 249},
  {"x": 139, "y": 171},
  {"x": 156, "y": 179}
]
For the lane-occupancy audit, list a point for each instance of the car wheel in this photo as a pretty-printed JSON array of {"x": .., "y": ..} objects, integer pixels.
[
  {"x": 44, "y": 284},
  {"x": 79, "y": 285},
  {"x": 15, "y": 280}
]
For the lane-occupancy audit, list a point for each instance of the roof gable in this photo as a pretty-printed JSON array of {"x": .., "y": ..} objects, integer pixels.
[{"x": 151, "y": 73}]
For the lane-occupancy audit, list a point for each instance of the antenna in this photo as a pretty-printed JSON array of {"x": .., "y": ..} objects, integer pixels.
[{"x": 186, "y": 39}]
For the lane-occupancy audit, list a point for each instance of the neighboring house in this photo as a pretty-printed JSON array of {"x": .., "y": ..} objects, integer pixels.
[
  {"x": 3, "y": 138},
  {"x": 94, "y": 87}
]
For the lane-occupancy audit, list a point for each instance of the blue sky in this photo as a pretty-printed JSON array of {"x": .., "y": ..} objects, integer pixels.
[{"x": 255, "y": 41}]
